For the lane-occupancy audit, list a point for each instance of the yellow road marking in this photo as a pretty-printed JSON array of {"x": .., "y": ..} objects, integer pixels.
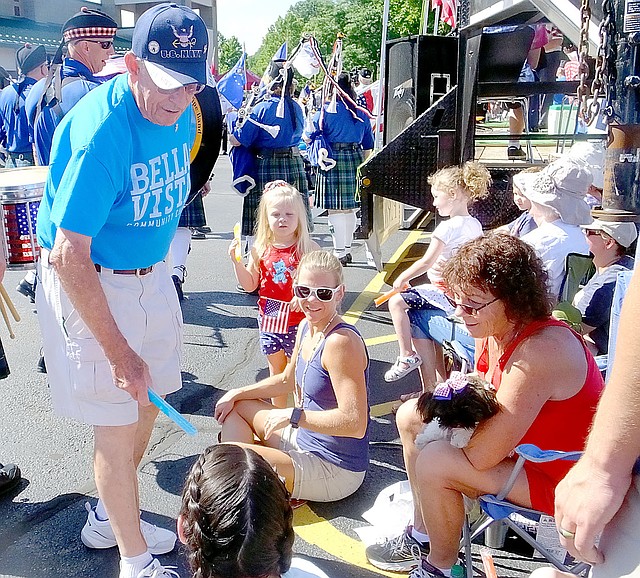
[
  {"x": 374, "y": 287},
  {"x": 381, "y": 409},
  {"x": 317, "y": 531},
  {"x": 381, "y": 340}
]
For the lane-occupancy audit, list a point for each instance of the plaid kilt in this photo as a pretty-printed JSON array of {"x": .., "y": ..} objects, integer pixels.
[
  {"x": 286, "y": 168},
  {"x": 193, "y": 214},
  {"x": 336, "y": 189}
]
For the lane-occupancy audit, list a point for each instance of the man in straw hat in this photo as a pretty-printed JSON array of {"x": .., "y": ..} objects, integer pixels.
[
  {"x": 31, "y": 61},
  {"x": 107, "y": 308},
  {"x": 88, "y": 36},
  {"x": 558, "y": 208}
]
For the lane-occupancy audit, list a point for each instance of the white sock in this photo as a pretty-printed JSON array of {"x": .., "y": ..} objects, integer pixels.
[
  {"x": 101, "y": 512},
  {"x": 30, "y": 277},
  {"x": 179, "y": 251},
  {"x": 350, "y": 221},
  {"x": 445, "y": 571},
  {"x": 131, "y": 567},
  {"x": 338, "y": 227},
  {"x": 514, "y": 143},
  {"x": 419, "y": 536}
]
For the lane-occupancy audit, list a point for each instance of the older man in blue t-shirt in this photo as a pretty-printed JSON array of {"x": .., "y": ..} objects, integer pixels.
[{"x": 108, "y": 311}]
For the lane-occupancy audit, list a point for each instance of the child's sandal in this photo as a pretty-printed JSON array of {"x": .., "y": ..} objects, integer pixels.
[{"x": 402, "y": 367}]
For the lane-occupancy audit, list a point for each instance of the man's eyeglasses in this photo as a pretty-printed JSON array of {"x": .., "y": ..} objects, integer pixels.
[
  {"x": 104, "y": 44},
  {"x": 322, "y": 293},
  {"x": 191, "y": 89},
  {"x": 468, "y": 309}
]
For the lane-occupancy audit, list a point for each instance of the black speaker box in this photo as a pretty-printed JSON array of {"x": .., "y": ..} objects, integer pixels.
[{"x": 419, "y": 70}]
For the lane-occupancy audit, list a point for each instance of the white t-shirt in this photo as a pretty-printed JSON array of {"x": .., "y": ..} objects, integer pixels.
[
  {"x": 552, "y": 243},
  {"x": 454, "y": 233},
  {"x": 301, "y": 568}
]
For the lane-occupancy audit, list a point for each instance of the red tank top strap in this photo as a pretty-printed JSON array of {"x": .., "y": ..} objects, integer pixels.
[{"x": 529, "y": 330}]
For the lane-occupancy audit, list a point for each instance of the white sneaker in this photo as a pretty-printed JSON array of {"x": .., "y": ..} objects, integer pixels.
[
  {"x": 156, "y": 570},
  {"x": 99, "y": 534}
]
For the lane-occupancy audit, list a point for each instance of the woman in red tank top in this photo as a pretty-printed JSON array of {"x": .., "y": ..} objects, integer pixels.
[{"x": 547, "y": 383}]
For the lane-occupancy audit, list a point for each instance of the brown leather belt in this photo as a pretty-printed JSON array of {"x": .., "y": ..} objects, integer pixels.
[{"x": 137, "y": 272}]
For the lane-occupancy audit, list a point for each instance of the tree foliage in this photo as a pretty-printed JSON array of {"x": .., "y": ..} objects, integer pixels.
[
  {"x": 359, "y": 20},
  {"x": 229, "y": 51}
]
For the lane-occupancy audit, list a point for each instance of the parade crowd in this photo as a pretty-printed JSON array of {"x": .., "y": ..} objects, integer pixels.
[{"x": 109, "y": 286}]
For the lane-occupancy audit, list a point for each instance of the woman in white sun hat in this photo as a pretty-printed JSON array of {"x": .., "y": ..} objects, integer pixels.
[{"x": 558, "y": 208}]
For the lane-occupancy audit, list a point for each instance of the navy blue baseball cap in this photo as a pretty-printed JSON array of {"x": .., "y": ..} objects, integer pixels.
[{"x": 173, "y": 41}]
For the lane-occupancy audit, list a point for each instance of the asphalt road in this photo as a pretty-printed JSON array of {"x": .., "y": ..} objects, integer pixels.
[{"x": 40, "y": 522}]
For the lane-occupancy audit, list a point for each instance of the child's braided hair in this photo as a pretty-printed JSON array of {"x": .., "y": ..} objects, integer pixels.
[{"x": 235, "y": 516}]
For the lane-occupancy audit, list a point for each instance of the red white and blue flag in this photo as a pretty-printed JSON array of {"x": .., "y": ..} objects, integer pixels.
[{"x": 275, "y": 316}]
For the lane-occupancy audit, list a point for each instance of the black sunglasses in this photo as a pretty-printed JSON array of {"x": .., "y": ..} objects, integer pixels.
[
  {"x": 321, "y": 293},
  {"x": 104, "y": 44},
  {"x": 467, "y": 308}
]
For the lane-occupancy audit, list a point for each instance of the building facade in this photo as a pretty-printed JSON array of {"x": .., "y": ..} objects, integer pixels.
[{"x": 40, "y": 21}]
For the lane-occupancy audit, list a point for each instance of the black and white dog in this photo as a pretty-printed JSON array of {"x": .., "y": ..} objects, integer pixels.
[{"x": 454, "y": 408}]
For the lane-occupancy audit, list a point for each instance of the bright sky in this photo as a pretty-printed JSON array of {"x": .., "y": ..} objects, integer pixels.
[{"x": 249, "y": 20}]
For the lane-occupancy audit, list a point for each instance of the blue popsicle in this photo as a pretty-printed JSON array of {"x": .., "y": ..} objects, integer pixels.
[{"x": 171, "y": 412}]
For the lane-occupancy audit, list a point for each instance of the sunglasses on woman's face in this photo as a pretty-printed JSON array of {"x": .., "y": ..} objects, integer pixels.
[
  {"x": 321, "y": 293},
  {"x": 468, "y": 309}
]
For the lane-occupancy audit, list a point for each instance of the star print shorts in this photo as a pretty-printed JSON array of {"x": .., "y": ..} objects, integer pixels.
[{"x": 273, "y": 342}]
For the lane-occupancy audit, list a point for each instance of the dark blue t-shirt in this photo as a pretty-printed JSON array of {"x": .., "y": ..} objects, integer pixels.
[{"x": 595, "y": 299}]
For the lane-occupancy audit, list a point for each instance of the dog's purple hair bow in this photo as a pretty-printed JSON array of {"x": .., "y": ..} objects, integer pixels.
[{"x": 456, "y": 383}]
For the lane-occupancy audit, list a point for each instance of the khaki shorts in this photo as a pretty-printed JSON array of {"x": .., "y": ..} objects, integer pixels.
[
  {"x": 316, "y": 479},
  {"x": 619, "y": 542},
  {"x": 147, "y": 312}
]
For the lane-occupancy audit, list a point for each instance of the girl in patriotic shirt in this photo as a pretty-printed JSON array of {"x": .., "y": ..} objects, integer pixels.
[{"x": 282, "y": 237}]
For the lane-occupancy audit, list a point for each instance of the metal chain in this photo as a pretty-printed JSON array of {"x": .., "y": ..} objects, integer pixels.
[
  {"x": 603, "y": 84},
  {"x": 610, "y": 54},
  {"x": 583, "y": 52}
]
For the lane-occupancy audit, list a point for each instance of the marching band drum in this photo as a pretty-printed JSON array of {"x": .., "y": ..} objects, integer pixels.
[{"x": 20, "y": 195}]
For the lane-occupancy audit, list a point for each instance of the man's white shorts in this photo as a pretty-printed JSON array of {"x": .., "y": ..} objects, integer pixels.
[{"x": 147, "y": 312}]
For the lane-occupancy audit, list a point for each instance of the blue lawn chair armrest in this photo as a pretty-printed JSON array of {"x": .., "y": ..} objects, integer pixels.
[
  {"x": 603, "y": 362},
  {"x": 534, "y": 454}
]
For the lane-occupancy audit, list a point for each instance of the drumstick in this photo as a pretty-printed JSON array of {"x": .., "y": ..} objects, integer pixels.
[
  {"x": 6, "y": 319},
  {"x": 487, "y": 563},
  {"x": 171, "y": 412},
  {"x": 386, "y": 296},
  {"x": 238, "y": 238},
  {"x": 10, "y": 305}
]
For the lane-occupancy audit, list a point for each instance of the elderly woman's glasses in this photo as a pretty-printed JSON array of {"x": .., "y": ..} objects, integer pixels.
[
  {"x": 467, "y": 308},
  {"x": 322, "y": 293}
]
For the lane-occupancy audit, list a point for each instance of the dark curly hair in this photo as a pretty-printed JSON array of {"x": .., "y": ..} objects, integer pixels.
[
  {"x": 506, "y": 267},
  {"x": 236, "y": 517},
  {"x": 465, "y": 410}
]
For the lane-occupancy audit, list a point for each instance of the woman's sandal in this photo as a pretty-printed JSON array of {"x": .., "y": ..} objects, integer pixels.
[{"x": 402, "y": 367}]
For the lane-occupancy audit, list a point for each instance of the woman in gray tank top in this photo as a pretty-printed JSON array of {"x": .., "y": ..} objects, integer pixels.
[{"x": 320, "y": 447}]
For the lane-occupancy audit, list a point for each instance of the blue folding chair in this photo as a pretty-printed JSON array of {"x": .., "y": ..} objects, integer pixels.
[{"x": 496, "y": 509}]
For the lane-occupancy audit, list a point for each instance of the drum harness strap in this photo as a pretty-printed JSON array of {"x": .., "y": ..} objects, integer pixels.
[{"x": 52, "y": 92}]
